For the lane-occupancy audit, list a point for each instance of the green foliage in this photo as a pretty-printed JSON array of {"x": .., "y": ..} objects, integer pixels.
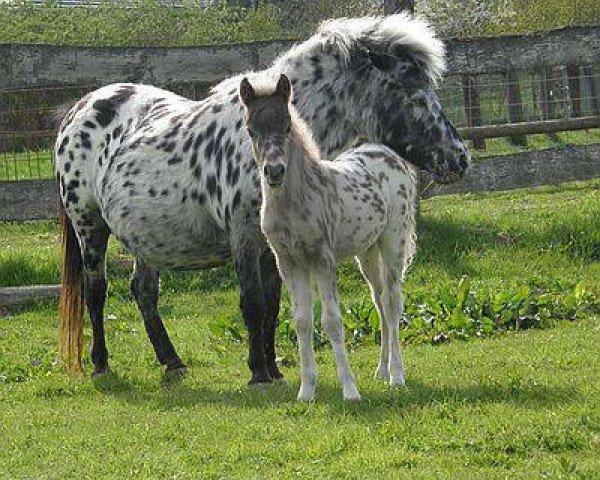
[{"x": 141, "y": 23}]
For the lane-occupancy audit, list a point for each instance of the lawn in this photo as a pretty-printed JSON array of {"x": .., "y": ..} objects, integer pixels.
[{"x": 515, "y": 404}]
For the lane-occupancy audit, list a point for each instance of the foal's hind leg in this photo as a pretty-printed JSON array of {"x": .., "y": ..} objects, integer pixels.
[
  {"x": 93, "y": 238},
  {"x": 144, "y": 286},
  {"x": 271, "y": 284},
  {"x": 392, "y": 265},
  {"x": 370, "y": 266}
]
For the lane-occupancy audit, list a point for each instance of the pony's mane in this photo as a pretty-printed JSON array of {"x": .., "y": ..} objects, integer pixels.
[
  {"x": 410, "y": 36},
  {"x": 399, "y": 34}
]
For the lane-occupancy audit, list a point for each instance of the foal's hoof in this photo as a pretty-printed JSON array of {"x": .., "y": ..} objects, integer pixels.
[
  {"x": 396, "y": 381},
  {"x": 262, "y": 378},
  {"x": 352, "y": 396},
  {"x": 382, "y": 374}
]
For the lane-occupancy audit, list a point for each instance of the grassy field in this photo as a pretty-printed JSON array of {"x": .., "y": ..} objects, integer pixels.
[{"x": 519, "y": 404}]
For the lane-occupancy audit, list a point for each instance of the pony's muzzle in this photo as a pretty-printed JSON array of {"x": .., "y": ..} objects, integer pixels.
[{"x": 274, "y": 173}]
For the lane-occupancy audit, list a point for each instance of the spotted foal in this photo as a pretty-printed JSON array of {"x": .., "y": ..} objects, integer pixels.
[{"x": 315, "y": 213}]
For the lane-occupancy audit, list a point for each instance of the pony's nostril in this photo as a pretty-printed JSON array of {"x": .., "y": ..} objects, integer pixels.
[{"x": 277, "y": 171}]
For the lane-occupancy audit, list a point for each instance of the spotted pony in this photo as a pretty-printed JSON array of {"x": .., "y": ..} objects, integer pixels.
[{"x": 175, "y": 180}]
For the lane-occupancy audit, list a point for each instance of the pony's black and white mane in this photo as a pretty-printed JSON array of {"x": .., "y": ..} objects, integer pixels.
[{"x": 397, "y": 35}]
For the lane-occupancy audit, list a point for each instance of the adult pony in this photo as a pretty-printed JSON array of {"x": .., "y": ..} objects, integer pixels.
[
  {"x": 175, "y": 180},
  {"x": 314, "y": 213}
]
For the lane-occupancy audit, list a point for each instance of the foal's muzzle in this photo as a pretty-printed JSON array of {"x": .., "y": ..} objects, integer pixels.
[{"x": 274, "y": 173}]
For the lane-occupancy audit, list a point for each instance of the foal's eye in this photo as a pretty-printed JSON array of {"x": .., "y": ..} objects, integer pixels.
[
  {"x": 288, "y": 130},
  {"x": 252, "y": 134}
]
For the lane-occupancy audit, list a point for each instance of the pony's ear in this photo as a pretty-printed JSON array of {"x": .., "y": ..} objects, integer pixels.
[
  {"x": 246, "y": 92},
  {"x": 284, "y": 87},
  {"x": 383, "y": 61}
]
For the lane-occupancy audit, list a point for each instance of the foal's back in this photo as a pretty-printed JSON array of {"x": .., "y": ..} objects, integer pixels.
[{"x": 376, "y": 191}]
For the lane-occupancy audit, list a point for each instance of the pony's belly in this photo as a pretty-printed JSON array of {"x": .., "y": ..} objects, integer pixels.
[{"x": 172, "y": 242}]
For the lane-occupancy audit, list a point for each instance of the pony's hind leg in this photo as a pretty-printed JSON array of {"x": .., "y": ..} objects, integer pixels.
[
  {"x": 331, "y": 321},
  {"x": 370, "y": 266},
  {"x": 246, "y": 253},
  {"x": 144, "y": 286},
  {"x": 271, "y": 284},
  {"x": 93, "y": 237}
]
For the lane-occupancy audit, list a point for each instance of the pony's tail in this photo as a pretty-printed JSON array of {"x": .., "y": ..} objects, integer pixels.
[{"x": 70, "y": 343}]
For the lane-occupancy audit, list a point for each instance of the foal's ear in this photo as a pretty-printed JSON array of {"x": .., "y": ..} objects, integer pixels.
[
  {"x": 246, "y": 92},
  {"x": 284, "y": 87}
]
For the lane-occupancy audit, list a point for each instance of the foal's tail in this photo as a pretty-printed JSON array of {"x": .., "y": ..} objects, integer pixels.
[
  {"x": 411, "y": 228},
  {"x": 70, "y": 343}
]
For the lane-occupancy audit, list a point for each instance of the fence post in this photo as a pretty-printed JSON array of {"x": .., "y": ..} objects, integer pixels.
[
  {"x": 515, "y": 105},
  {"x": 546, "y": 93},
  {"x": 574, "y": 89},
  {"x": 472, "y": 107},
  {"x": 590, "y": 80}
]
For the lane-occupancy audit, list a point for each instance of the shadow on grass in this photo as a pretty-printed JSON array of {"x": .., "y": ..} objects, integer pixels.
[{"x": 377, "y": 399}]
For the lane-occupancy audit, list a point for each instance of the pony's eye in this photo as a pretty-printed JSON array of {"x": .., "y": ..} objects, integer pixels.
[{"x": 252, "y": 134}]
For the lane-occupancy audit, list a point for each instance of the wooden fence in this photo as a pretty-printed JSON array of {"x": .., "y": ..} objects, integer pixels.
[{"x": 484, "y": 74}]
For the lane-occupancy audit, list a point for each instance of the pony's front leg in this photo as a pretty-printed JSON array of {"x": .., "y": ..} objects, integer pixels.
[
  {"x": 246, "y": 253},
  {"x": 331, "y": 321},
  {"x": 298, "y": 283}
]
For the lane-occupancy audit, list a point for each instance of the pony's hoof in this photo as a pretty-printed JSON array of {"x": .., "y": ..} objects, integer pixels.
[
  {"x": 100, "y": 372},
  {"x": 176, "y": 370},
  {"x": 275, "y": 374},
  {"x": 260, "y": 379}
]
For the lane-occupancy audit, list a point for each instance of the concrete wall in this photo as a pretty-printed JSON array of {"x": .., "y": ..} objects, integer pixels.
[
  {"x": 43, "y": 65},
  {"x": 38, "y": 199}
]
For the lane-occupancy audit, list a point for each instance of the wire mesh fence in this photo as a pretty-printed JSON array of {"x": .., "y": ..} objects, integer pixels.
[{"x": 471, "y": 101}]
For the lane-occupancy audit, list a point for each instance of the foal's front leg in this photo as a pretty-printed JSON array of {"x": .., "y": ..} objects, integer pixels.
[
  {"x": 331, "y": 321},
  {"x": 298, "y": 283}
]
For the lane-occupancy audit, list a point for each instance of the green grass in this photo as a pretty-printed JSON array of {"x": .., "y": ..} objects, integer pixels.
[
  {"x": 517, "y": 405},
  {"x": 521, "y": 406},
  {"x": 501, "y": 146}
]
